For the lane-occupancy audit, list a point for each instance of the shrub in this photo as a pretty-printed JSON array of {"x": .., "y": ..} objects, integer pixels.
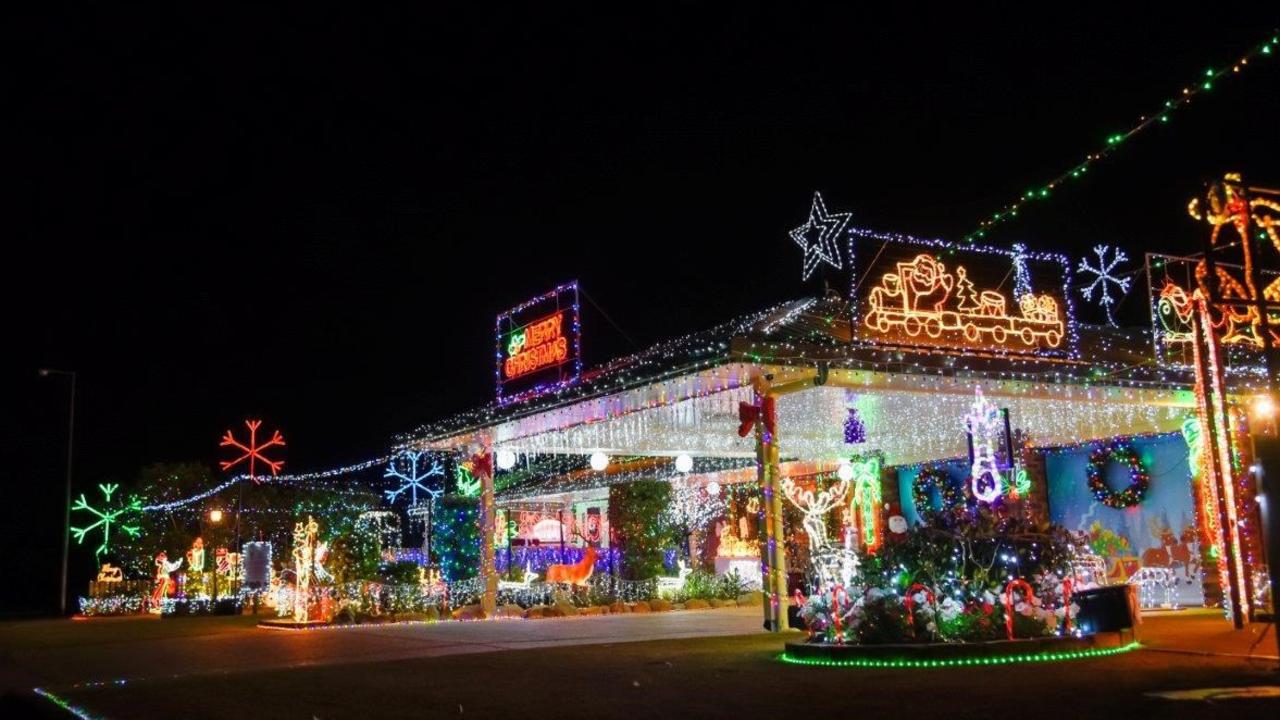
[
  {"x": 456, "y": 536},
  {"x": 636, "y": 511}
]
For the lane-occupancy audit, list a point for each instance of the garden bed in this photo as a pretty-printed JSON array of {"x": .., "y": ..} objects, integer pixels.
[{"x": 952, "y": 654}]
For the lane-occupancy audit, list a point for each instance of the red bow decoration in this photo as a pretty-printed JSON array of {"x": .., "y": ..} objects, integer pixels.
[
  {"x": 748, "y": 414},
  {"x": 482, "y": 465}
]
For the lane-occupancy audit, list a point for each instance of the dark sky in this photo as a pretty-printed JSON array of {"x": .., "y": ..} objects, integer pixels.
[{"x": 313, "y": 217}]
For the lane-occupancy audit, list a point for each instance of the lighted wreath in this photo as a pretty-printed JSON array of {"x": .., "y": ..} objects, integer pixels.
[
  {"x": 1123, "y": 453},
  {"x": 952, "y": 493}
]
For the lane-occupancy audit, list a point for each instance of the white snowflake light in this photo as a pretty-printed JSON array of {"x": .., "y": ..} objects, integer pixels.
[{"x": 1103, "y": 277}]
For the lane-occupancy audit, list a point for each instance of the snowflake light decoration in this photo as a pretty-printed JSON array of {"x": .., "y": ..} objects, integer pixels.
[
  {"x": 106, "y": 517},
  {"x": 819, "y": 237},
  {"x": 407, "y": 468},
  {"x": 1103, "y": 277},
  {"x": 252, "y": 451}
]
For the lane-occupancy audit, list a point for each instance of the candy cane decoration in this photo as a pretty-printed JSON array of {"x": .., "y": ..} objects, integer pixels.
[
  {"x": 1066, "y": 603},
  {"x": 836, "y": 593},
  {"x": 867, "y": 498},
  {"x": 800, "y": 600},
  {"x": 1019, "y": 584}
]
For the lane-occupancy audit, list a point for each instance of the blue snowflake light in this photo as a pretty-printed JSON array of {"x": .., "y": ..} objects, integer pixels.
[{"x": 408, "y": 469}]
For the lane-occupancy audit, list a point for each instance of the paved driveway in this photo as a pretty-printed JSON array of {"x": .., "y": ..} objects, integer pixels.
[{"x": 60, "y": 654}]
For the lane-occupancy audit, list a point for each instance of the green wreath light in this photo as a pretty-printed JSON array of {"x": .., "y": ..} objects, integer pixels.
[
  {"x": 952, "y": 493},
  {"x": 1124, "y": 453}
]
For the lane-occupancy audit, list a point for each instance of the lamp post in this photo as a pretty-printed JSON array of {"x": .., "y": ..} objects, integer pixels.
[
  {"x": 215, "y": 518},
  {"x": 66, "y": 518}
]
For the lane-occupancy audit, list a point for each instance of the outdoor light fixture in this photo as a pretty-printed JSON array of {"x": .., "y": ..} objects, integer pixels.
[
  {"x": 1263, "y": 407},
  {"x": 599, "y": 461},
  {"x": 713, "y": 488},
  {"x": 684, "y": 463},
  {"x": 506, "y": 459},
  {"x": 845, "y": 471},
  {"x": 215, "y": 516}
]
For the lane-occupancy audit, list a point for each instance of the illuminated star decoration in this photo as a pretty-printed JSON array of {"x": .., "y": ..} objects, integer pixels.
[
  {"x": 819, "y": 237},
  {"x": 412, "y": 478},
  {"x": 252, "y": 451},
  {"x": 1104, "y": 278},
  {"x": 106, "y": 516}
]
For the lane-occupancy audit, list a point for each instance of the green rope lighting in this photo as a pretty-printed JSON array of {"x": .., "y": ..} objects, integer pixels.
[{"x": 959, "y": 662}]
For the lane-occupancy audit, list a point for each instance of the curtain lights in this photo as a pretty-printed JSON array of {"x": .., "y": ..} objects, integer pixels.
[{"x": 1200, "y": 86}]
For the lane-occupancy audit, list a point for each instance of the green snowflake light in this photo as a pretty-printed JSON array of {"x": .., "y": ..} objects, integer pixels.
[{"x": 106, "y": 516}]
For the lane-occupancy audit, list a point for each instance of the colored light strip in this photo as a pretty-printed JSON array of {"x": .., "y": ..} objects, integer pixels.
[
  {"x": 1190, "y": 91},
  {"x": 65, "y": 704},
  {"x": 962, "y": 662}
]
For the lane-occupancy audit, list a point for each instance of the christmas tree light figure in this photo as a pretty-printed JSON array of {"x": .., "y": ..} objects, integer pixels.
[
  {"x": 106, "y": 517},
  {"x": 1104, "y": 277},
  {"x": 252, "y": 451},
  {"x": 406, "y": 469},
  {"x": 1021, "y": 276},
  {"x": 468, "y": 485}
]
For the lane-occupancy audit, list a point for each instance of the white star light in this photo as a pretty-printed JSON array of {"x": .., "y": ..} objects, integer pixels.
[
  {"x": 819, "y": 237},
  {"x": 1103, "y": 275}
]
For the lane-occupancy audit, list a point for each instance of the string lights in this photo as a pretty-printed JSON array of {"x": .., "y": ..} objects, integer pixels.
[{"x": 1161, "y": 116}]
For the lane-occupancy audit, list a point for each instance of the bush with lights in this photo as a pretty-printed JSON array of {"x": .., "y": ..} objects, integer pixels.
[
  {"x": 946, "y": 582},
  {"x": 637, "y": 520},
  {"x": 456, "y": 536}
]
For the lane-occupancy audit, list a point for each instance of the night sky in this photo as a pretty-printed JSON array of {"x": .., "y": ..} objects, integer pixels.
[{"x": 314, "y": 218}]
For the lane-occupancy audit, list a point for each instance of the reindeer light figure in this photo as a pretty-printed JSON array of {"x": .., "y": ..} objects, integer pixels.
[{"x": 815, "y": 507}]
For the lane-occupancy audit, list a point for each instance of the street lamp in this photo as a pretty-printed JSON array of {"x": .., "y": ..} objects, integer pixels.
[
  {"x": 215, "y": 516},
  {"x": 66, "y": 519}
]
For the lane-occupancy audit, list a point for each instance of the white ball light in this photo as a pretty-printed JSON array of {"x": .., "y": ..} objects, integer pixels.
[
  {"x": 506, "y": 459},
  {"x": 684, "y": 463},
  {"x": 845, "y": 471},
  {"x": 713, "y": 488},
  {"x": 599, "y": 461}
]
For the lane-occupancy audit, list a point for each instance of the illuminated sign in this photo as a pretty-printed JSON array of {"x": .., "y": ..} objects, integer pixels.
[
  {"x": 913, "y": 291},
  {"x": 1172, "y": 285},
  {"x": 539, "y": 345}
]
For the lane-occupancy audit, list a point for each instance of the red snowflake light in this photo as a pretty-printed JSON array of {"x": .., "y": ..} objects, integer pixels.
[{"x": 252, "y": 451}]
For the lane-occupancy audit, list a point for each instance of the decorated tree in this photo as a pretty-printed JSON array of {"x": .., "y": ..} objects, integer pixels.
[
  {"x": 637, "y": 520},
  {"x": 457, "y": 536}
]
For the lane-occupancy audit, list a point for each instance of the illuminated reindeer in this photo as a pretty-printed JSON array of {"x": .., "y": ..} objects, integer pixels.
[
  {"x": 815, "y": 508},
  {"x": 574, "y": 573}
]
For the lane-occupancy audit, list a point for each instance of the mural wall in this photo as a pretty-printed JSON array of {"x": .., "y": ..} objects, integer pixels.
[{"x": 1158, "y": 532}]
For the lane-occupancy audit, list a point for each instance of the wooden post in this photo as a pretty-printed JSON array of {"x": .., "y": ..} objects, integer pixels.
[{"x": 489, "y": 600}]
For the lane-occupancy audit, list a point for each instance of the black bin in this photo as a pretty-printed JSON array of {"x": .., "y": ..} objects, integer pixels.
[{"x": 1104, "y": 609}]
